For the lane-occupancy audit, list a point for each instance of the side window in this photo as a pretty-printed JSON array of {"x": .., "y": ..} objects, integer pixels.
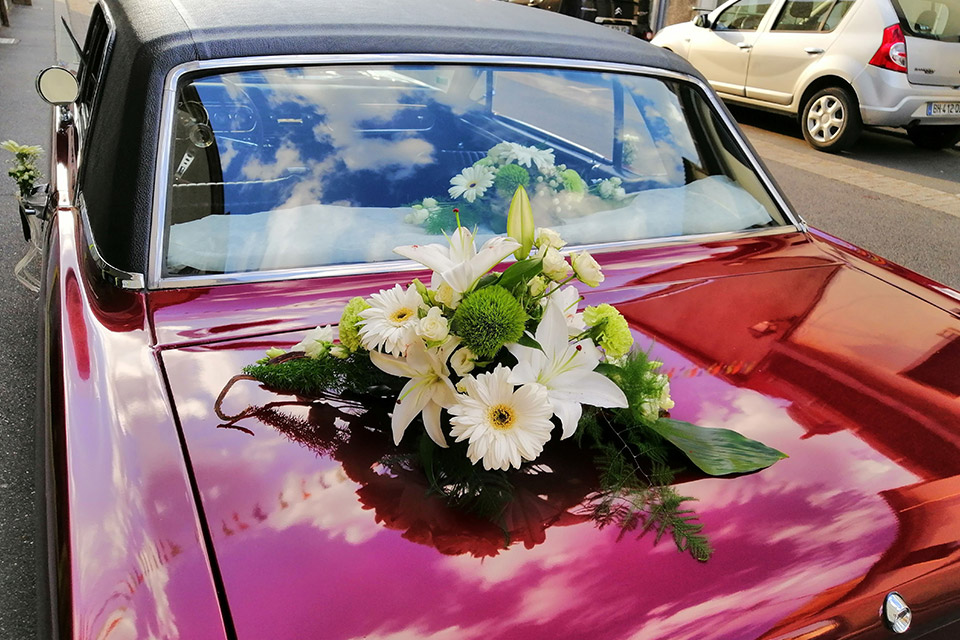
[
  {"x": 812, "y": 15},
  {"x": 91, "y": 66},
  {"x": 836, "y": 14},
  {"x": 742, "y": 16}
]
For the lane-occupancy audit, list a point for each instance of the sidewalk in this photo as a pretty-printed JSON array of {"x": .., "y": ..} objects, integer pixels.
[{"x": 26, "y": 47}]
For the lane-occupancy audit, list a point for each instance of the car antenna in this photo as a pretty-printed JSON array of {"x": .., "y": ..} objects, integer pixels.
[{"x": 76, "y": 45}]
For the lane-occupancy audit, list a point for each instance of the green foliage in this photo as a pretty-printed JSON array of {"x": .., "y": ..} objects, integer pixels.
[
  {"x": 634, "y": 485},
  {"x": 318, "y": 378},
  {"x": 24, "y": 172},
  {"x": 509, "y": 177},
  {"x": 717, "y": 452},
  {"x": 633, "y": 375},
  {"x": 517, "y": 275},
  {"x": 487, "y": 319},
  {"x": 443, "y": 219}
]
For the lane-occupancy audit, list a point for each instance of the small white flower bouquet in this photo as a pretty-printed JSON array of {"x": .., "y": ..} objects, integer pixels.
[
  {"x": 479, "y": 194},
  {"x": 496, "y": 365}
]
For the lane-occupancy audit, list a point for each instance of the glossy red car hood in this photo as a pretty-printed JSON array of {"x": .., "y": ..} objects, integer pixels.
[{"x": 789, "y": 341}]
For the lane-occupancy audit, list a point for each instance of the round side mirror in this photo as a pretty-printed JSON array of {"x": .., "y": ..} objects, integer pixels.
[{"x": 57, "y": 85}]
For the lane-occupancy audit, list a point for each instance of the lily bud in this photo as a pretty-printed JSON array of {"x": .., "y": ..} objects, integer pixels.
[{"x": 520, "y": 222}]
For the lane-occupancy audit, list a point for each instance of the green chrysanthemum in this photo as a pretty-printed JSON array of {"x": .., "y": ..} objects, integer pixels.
[
  {"x": 572, "y": 181},
  {"x": 487, "y": 319},
  {"x": 349, "y": 332},
  {"x": 615, "y": 337},
  {"x": 509, "y": 177}
]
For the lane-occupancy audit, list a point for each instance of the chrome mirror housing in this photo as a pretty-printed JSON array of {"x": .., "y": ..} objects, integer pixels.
[{"x": 58, "y": 86}]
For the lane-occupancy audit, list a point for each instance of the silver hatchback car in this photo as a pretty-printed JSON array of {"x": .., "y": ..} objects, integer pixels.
[{"x": 836, "y": 64}]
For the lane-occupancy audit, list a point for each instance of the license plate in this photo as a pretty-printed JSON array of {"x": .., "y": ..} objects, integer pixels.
[
  {"x": 619, "y": 27},
  {"x": 943, "y": 108}
]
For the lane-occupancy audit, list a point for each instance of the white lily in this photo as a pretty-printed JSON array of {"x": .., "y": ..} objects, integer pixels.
[
  {"x": 428, "y": 391},
  {"x": 566, "y": 370},
  {"x": 460, "y": 265},
  {"x": 567, "y": 300}
]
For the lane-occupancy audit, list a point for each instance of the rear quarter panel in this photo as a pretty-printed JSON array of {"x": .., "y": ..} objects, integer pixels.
[{"x": 125, "y": 543}]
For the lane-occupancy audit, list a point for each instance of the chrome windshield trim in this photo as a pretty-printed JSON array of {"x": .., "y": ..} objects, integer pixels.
[
  {"x": 168, "y": 111},
  {"x": 118, "y": 277},
  {"x": 401, "y": 266}
]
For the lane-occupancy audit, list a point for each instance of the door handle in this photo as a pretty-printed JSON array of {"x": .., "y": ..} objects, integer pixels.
[
  {"x": 744, "y": 46},
  {"x": 814, "y": 51}
]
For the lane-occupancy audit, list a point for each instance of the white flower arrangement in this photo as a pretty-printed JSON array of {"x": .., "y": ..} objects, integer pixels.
[
  {"x": 478, "y": 194},
  {"x": 496, "y": 365},
  {"x": 421, "y": 333}
]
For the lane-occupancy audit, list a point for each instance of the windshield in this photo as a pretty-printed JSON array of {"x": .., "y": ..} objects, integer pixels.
[
  {"x": 312, "y": 166},
  {"x": 933, "y": 19}
]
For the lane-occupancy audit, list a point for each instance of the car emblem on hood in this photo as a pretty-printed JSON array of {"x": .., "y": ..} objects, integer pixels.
[{"x": 895, "y": 613}]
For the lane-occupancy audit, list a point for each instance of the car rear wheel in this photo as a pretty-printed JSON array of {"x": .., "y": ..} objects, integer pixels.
[
  {"x": 831, "y": 120},
  {"x": 934, "y": 136}
]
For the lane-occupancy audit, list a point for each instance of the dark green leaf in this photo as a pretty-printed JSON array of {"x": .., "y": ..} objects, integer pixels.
[
  {"x": 520, "y": 272},
  {"x": 488, "y": 279},
  {"x": 717, "y": 452},
  {"x": 526, "y": 340},
  {"x": 609, "y": 370}
]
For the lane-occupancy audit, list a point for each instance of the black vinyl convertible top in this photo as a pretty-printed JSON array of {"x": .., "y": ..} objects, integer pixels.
[{"x": 154, "y": 36}]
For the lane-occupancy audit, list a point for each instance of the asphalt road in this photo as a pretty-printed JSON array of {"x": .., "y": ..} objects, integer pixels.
[
  {"x": 884, "y": 195},
  {"x": 26, "y": 119}
]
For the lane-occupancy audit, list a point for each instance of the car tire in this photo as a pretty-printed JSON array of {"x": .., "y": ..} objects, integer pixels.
[
  {"x": 831, "y": 120},
  {"x": 938, "y": 136}
]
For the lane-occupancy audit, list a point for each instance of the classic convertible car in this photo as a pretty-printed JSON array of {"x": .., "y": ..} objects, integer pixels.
[{"x": 228, "y": 176}]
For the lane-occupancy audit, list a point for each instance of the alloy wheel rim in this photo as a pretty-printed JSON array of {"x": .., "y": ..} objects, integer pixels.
[{"x": 826, "y": 119}]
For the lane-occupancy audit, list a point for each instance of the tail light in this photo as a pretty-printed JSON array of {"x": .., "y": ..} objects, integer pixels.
[{"x": 892, "y": 53}]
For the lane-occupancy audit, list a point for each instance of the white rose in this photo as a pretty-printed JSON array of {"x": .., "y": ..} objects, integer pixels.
[
  {"x": 555, "y": 265},
  {"x": 547, "y": 238},
  {"x": 665, "y": 401},
  {"x": 316, "y": 342},
  {"x": 462, "y": 361},
  {"x": 447, "y": 296},
  {"x": 417, "y": 216},
  {"x": 429, "y": 203},
  {"x": 433, "y": 327},
  {"x": 537, "y": 285},
  {"x": 339, "y": 352},
  {"x": 587, "y": 269},
  {"x": 650, "y": 409}
]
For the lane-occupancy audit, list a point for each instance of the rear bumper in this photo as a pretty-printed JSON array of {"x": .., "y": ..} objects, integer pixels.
[{"x": 888, "y": 99}]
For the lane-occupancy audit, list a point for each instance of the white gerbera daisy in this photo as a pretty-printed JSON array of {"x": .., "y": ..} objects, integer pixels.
[
  {"x": 391, "y": 321},
  {"x": 504, "y": 425},
  {"x": 471, "y": 183}
]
